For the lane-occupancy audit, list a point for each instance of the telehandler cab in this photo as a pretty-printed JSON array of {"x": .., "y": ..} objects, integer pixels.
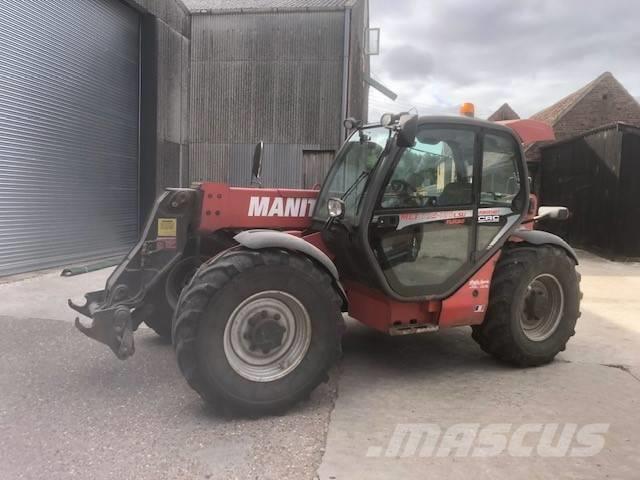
[{"x": 422, "y": 223}]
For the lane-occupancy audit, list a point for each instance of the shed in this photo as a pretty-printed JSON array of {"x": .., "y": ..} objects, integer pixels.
[
  {"x": 107, "y": 102},
  {"x": 285, "y": 72},
  {"x": 505, "y": 112},
  {"x": 597, "y": 176}
]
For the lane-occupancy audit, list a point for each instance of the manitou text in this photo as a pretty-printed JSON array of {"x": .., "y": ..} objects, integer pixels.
[{"x": 281, "y": 207}]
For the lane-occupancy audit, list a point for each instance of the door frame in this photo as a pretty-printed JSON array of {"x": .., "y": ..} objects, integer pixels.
[{"x": 477, "y": 259}]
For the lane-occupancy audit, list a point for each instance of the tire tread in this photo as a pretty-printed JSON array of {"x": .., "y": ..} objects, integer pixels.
[
  {"x": 211, "y": 279},
  {"x": 495, "y": 335}
]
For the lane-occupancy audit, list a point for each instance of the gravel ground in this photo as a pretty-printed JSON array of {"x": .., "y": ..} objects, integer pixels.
[{"x": 70, "y": 409}]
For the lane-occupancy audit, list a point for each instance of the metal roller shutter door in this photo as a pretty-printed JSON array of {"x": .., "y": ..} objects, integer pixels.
[{"x": 69, "y": 83}]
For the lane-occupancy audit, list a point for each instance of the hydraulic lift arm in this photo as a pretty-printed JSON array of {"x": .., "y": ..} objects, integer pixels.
[{"x": 118, "y": 310}]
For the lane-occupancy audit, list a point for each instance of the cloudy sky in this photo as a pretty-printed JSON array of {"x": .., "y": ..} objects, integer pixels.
[{"x": 436, "y": 54}]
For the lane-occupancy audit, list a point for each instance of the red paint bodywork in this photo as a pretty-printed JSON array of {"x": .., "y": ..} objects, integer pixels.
[
  {"x": 376, "y": 310},
  {"x": 466, "y": 306},
  {"x": 230, "y": 207},
  {"x": 225, "y": 207},
  {"x": 530, "y": 131}
]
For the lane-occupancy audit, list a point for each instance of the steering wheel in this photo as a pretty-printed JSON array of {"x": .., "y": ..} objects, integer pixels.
[{"x": 400, "y": 186}]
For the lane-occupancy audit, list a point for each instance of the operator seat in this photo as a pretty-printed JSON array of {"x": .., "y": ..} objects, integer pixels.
[{"x": 456, "y": 193}]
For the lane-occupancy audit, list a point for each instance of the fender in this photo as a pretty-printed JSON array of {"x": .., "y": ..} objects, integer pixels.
[
  {"x": 540, "y": 237},
  {"x": 257, "y": 239}
]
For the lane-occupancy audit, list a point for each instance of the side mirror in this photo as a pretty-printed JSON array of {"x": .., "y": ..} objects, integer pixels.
[
  {"x": 256, "y": 166},
  {"x": 407, "y": 129},
  {"x": 555, "y": 213},
  {"x": 335, "y": 206}
]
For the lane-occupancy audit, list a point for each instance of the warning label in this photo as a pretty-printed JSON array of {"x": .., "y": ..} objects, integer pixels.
[{"x": 167, "y": 227}]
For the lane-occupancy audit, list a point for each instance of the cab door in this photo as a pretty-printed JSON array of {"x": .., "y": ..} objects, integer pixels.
[{"x": 434, "y": 219}]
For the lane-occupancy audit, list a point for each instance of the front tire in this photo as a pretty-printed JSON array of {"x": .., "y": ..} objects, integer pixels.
[
  {"x": 534, "y": 304},
  {"x": 257, "y": 331}
]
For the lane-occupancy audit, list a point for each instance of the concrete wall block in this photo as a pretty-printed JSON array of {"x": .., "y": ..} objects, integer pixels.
[
  {"x": 176, "y": 16},
  {"x": 358, "y": 104},
  {"x": 157, "y": 8},
  {"x": 169, "y": 84},
  {"x": 171, "y": 12}
]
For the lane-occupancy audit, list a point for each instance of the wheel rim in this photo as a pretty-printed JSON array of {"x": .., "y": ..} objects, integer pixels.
[
  {"x": 542, "y": 307},
  {"x": 267, "y": 336}
]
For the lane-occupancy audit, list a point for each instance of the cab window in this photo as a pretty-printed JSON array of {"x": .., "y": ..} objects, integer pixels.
[
  {"x": 436, "y": 172},
  {"x": 500, "y": 179},
  {"x": 500, "y": 186}
]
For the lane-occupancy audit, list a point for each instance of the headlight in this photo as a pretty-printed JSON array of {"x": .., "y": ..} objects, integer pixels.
[
  {"x": 351, "y": 123},
  {"x": 335, "y": 207}
]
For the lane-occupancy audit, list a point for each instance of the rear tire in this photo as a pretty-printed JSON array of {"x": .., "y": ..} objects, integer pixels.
[
  {"x": 159, "y": 320},
  {"x": 534, "y": 304},
  {"x": 218, "y": 321},
  {"x": 165, "y": 300}
]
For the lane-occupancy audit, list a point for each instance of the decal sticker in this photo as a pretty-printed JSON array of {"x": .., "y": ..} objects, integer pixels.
[
  {"x": 167, "y": 227},
  {"x": 407, "y": 219},
  {"x": 492, "y": 215},
  {"x": 488, "y": 218},
  {"x": 478, "y": 309},
  {"x": 495, "y": 211},
  {"x": 166, "y": 244},
  {"x": 479, "y": 284},
  {"x": 281, "y": 207}
]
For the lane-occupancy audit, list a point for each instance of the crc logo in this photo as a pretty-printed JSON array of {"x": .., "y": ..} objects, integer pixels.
[{"x": 488, "y": 218}]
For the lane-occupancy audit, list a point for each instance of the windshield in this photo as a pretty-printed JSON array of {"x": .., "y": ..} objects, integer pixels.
[{"x": 356, "y": 160}]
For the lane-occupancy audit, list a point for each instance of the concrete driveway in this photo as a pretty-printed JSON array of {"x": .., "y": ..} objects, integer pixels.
[{"x": 69, "y": 408}]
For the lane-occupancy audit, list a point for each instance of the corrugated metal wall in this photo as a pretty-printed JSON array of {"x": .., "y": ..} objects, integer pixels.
[
  {"x": 628, "y": 210},
  {"x": 68, "y": 131},
  {"x": 583, "y": 174},
  {"x": 275, "y": 77}
]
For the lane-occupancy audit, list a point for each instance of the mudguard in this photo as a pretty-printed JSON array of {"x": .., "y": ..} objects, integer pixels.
[
  {"x": 257, "y": 239},
  {"x": 540, "y": 237}
]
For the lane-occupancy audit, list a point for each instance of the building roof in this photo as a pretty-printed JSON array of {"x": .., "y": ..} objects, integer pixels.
[
  {"x": 505, "y": 112},
  {"x": 224, "y": 6},
  {"x": 618, "y": 126},
  {"x": 555, "y": 112}
]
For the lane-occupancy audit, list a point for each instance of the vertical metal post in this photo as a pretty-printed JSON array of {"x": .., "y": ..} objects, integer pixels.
[{"x": 345, "y": 70}]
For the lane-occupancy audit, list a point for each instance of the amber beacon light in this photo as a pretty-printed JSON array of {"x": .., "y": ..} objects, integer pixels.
[{"x": 467, "y": 109}]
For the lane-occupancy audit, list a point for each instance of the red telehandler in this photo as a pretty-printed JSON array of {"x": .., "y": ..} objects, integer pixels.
[{"x": 422, "y": 223}]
